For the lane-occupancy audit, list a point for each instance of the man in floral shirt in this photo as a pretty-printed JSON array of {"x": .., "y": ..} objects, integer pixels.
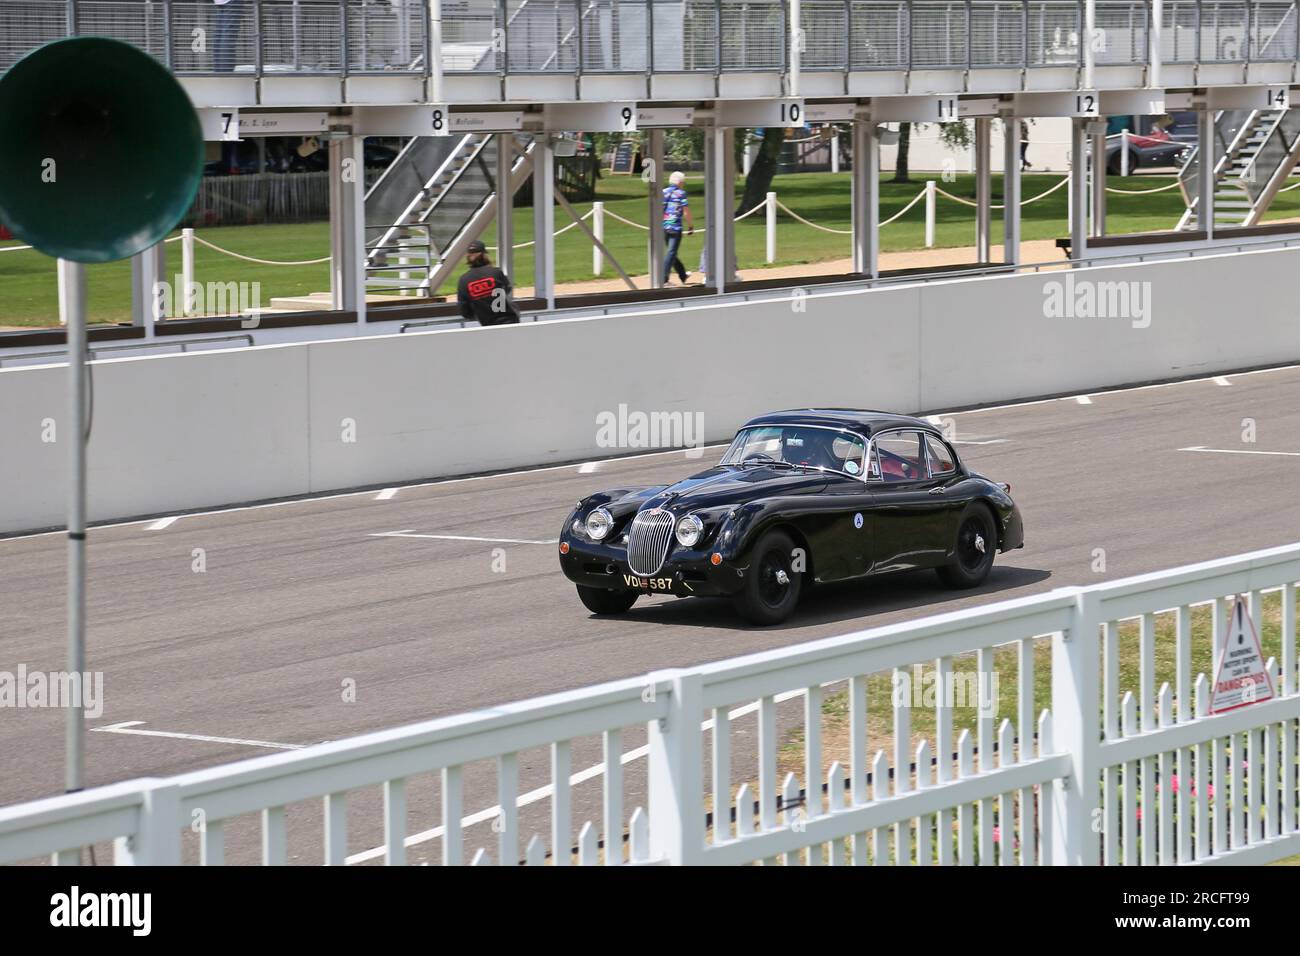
[{"x": 677, "y": 212}]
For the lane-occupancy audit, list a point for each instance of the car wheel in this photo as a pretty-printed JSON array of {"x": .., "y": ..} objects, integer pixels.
[
  {"x": 772, "y": 586},
  {"x": 605, "y": 600},
  {"x": 977, "y": 542}
]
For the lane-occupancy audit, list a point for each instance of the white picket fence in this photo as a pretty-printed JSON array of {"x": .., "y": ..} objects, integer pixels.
[{"x": 1113, "y": 770}]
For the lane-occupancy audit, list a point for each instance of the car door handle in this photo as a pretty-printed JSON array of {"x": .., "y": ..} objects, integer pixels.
[{"x": 938, "y": 491}]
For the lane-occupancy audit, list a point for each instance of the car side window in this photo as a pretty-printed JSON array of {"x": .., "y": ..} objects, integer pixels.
[
  {"x": 939, "y": 458},
  {"x": 898, "y": 457}
]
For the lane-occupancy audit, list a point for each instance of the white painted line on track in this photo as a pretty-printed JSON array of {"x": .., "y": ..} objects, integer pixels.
[
  {"x": 986, "y": 441},
  {"x": 543, "y": 793},
  {"x": 694, "y": 452},
  {"x": 1083, "y": 399},
  {"x": 162, "y": 523},
  {"x": 129, "y": 727},
  {"x": 587, "y": 467},
  {"x": 1221, "y": 380},
  {"x": 386, "y": 494},
  {"x": 1242, "y": 451},
  {"x": 461, "y": 537}
]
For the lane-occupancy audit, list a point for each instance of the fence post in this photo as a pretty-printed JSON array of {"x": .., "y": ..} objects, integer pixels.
[
  {"x": 771, "y": 228},
  {"x": 181, "y": 304},
  {"x": 1123, "y": 152},
  {"x": 157, "y": 837},
  {"x": 930, "y": 199},
  {"x": 598, "y": 230},
  {"x": 675, "y": 766},
  {"x": 1076, "y": 731}
]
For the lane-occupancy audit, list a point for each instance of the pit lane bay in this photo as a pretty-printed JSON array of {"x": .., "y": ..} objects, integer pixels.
[{"x": 300, "y": 598}]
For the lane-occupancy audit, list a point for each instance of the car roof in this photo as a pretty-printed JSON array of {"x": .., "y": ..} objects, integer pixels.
[{"x": 863, "y": 421}]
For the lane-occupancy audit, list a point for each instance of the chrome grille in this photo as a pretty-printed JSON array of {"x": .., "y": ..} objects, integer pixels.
[{"x": 648, "y": 540}]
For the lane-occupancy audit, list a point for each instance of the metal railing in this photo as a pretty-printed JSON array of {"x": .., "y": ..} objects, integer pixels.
[
  {"x": 1069, "y": 764},
  {"x": 344, "y": 37},
  {"x": 95, "y": 350}
]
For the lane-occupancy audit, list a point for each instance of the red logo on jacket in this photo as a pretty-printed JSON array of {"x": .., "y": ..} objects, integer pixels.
[{"x": 482, "y": 288}]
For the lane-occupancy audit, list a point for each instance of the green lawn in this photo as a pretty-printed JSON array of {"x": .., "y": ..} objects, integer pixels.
[{"x": 28, "y": 293}]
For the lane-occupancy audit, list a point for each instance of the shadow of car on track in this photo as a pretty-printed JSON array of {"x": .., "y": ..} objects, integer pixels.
[{"x": 849, "y": 601}]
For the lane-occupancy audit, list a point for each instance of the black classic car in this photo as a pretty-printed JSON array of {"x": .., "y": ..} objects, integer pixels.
[{"x": 813, "y": 495}]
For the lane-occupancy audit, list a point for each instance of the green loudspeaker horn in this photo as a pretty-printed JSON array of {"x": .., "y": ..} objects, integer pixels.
[{"x": 100, "y": 150}]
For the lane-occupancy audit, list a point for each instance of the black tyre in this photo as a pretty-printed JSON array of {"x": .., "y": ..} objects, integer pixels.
[
  {"x": 772, "y": 586},
  {"x": 977, "y": 543},
  {"x": 606, "y": 601}
]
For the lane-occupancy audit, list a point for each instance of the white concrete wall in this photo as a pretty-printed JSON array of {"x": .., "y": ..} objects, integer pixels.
[{"x": 206, "y": 429}]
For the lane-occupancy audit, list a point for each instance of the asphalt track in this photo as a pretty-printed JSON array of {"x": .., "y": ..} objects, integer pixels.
[{"x": 300, "y": 598}]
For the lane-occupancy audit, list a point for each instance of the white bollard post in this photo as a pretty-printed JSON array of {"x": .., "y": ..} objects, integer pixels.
[
  {"x": 1123, "y": 152},
  {"x": 930, "y": 199},
  {"x": 771, "y": 228},
  {"x": 598, "y": 230},
  {"x": 835, "y": 152},
  {"x": 182, "y": 302}
]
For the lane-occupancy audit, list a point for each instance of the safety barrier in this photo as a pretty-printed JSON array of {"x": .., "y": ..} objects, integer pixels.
[
  {"x": 1113, "y": 771},
  {"x": 351, "y": 37}
]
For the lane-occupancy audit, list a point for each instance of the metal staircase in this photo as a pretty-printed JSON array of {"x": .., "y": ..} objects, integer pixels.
[
  {"x": 437, "y": 196},
  {"x": 1255, "y": 152}
]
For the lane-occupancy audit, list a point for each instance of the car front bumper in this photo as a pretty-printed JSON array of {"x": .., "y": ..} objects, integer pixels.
[{"x": 686, "y": 572}]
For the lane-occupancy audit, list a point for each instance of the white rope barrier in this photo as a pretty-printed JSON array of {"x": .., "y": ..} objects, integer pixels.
[
  {"x": 1142, "y": 192},
  {"x": 915, "y": 199},
  {"x": 558, "y": 232},
  {"x": 1023, "y": 202},
  {"x": 14, "y": 248},
  {"x": 265, "y": 262},
  {"x": 791, "y": 212}
]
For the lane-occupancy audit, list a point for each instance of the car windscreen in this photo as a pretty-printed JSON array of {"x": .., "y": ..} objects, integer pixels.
[{"x": 827, "y": 449}]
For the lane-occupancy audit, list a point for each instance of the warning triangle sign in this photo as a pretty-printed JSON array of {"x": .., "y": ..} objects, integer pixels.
[{"x": 1240, "y": 679}]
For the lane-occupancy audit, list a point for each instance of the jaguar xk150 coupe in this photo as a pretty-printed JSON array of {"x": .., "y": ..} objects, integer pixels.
[{"x": 814, "y": 495}]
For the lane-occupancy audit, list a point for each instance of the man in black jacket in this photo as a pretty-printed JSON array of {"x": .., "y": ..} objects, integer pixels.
[{"x": 484, "y": 290}]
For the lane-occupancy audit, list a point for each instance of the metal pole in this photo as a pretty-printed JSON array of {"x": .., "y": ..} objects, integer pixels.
[
  {"x": 1078, "y": 189},
  {"x": 1208, "y": 158},
  {"x": 505, "y": 204},
  {"x": 1155, "y": 34},
  {"x": 1010, "y": 189},
  {"x": 72, "y": 307},
  {"x": 544, "y": 220},
  {"x": 597, "y": 230},
  {"x": 866, "y": 196},
  {"x": 434, "y": 56},
  {"x": 654, "y": 183},
  {"x": 1098, "y": 158},
  {"x": 983, "y": 189},
  {"x": 1085, "y": 41},
  {"x": 796, "y": 47}
]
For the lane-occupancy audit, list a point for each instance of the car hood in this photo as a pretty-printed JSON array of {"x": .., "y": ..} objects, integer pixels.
[{"x": 727, "y": 485}]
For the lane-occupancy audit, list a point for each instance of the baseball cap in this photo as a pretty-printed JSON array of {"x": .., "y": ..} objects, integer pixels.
[{"x": 476, "y": 246}]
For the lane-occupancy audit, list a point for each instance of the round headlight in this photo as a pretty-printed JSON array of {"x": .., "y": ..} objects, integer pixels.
[
  {"x": 689, "y": 531},
  {"x": 599, "y": 523}
]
